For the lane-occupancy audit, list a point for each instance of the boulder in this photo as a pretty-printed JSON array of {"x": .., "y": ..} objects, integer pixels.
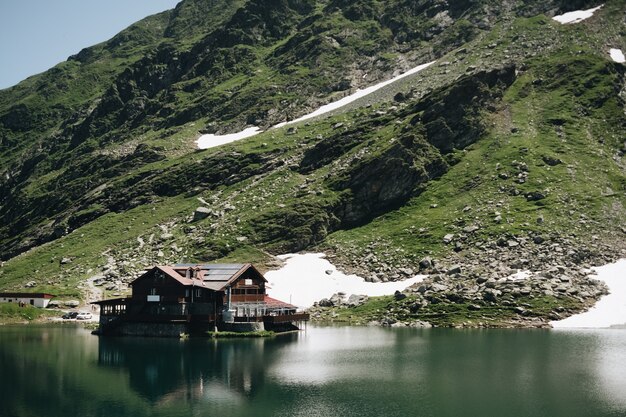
[
  {"x": 356, "y": 300},
  {"x": 491, "y": 294},
  {"x": 399, "y": 296},
  {"x": 456, "y": 269},
  {"x": 325, "y": 302},
  {"x": 406, "y": 271},
  {"x": 201, "y": 213},
  {"x": 448, "y": 238},
  {"x": 426, "y": 263},
  {"x": 72, "y": 303},
  {"x": 337, "y": 299}
]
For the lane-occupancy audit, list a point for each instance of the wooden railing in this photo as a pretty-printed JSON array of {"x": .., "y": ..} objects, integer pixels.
[{"x": 285, "y": 318}]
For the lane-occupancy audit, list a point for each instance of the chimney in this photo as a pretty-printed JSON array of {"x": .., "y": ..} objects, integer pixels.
[{"x": 188, "y": 273}]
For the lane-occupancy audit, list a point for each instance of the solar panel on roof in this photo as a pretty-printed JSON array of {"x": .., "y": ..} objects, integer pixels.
[
  {"x": 221, "y": 266},
  {"x": 211, "y": 266}
]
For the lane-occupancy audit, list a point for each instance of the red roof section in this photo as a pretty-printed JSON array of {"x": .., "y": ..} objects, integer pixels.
[
  {"x": 26, "y": 294},
  {"x": 274, "y": 303}
]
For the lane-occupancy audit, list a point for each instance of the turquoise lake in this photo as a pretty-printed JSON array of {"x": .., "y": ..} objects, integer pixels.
[{"x": 323, "y": 371}]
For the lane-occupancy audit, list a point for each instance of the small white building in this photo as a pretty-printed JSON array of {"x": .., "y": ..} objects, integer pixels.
[{"x": 35, "y": 299}]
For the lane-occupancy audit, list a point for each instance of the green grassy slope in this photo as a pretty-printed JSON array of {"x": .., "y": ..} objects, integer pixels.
[{"x": 507, "y": 137}]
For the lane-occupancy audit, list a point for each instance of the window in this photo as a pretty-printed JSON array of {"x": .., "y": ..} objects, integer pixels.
[
  {"x": 153, "y": 291},
  {"x": 247, "y": 281},
  {"x": 198, "y": 293},
  {"x": 32, "y": 302}
]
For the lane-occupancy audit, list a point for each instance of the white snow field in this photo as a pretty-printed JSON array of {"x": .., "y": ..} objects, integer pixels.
[
  {"x": 576, "y": 16},
  {"x": 303, "y": 280},
  {"x": 211, "y": 140},
  {"x": 617, "y": 55},
  {"x": 611, "y": 309}
]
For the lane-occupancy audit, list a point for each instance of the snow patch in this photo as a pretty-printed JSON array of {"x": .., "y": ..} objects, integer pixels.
[
  {"x": 617, "y": 55},
  {"x": 355, "y": 96},
  {"x": 611, "y": 309},
  {"x": 211, "y": 140},
  {"x": 576, "y": 16},
  {"x": 304, "y": 279},
  {"x": 519, "y": 276}
]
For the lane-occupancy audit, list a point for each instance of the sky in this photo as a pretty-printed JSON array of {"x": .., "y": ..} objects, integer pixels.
[{"x": 35, "y": 35}]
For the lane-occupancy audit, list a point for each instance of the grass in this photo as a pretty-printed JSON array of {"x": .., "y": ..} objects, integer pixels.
[
  {"x": 13, "y": 313},
  {"x": 573, "y": 114},
  {"x": 448, "y": 314}
]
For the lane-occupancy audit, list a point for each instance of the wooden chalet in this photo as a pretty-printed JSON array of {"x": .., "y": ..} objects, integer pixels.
[{"x": 204, "y": 296}]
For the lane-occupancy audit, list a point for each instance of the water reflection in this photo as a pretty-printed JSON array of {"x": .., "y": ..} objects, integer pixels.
[
  {"x": 221, "y": 371},
  {"x": 325, "y": 371}
]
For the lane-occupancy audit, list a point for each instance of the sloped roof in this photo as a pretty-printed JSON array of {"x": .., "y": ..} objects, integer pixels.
[
  {"x": 212, "y": 276},
  {"x": 274, "y": 303}
]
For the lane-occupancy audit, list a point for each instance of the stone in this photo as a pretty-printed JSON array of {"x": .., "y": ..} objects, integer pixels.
[
  {"x": 439, "y": 287},
  {"x": 471, "y": 229},
  {"x": 492, "y": 294},
  {"x": 337, "y": 299},
  {"x": 535, "y": 196},
  {"x": 356, "y": 300},
  {"x": 551, "y": 160},
  {"x": 456, "y": 269},
  {"x": 166, "y": 236},
  {"x": 473, "y": 307},
  {"x": 201, "y": 213},
  {"x": 399, "y": 296},
  {"x": 448, "y": 238},
  {"x": 554, "y": 316},
  {"x": 72, "y": 303},
  {"x": 406, "y": 271},
  {"x": 420, "y": 324},
  {"x": 65, "y": 261},
  {"x": 328, "y": 272},
  {"x": 426, "y": 263},
  {"x": 30, "y": 284},
  {"x": 325, "y": 302}
]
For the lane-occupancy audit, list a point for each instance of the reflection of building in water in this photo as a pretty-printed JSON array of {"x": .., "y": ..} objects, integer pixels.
[
  {"x": 221, "y": 371},
  {"x": 169, "y": 300}
]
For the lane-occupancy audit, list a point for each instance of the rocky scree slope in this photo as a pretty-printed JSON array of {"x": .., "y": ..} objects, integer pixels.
[{"x": 506, "y": 154}]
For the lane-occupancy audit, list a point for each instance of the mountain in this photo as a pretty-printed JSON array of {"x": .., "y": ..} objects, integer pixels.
[{"x": 506, "y": 153}]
